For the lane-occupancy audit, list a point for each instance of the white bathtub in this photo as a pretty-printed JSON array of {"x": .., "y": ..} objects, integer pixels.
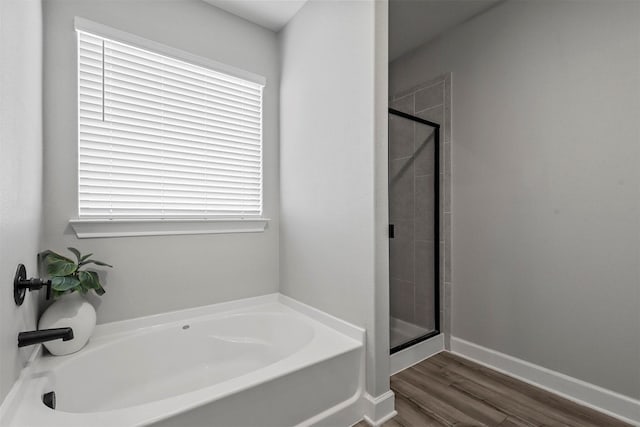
[{"x": 266, "y": 361}]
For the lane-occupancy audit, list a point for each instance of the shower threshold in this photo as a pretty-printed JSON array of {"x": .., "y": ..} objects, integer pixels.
[{"x": 403, "y": 334}]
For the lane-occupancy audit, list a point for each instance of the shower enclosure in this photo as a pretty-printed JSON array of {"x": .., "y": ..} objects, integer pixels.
[{"x": 413, "y": 229}]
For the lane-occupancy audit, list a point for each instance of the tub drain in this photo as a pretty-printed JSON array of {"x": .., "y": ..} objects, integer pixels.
[{"x": 49, "y": 399}]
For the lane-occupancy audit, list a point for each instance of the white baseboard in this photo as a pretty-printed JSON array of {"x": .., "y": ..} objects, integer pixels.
[
  {"x": 606, "y": 401},
  {"x": 379, "y": 409},
  {"x": 416, "y": 353}
]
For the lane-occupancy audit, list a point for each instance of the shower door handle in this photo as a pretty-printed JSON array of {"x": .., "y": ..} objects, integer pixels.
[{"x": 392, "y": 231}]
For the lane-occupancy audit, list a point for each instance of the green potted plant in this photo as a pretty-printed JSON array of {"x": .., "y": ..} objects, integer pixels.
[{"x": 70, "y": 281}]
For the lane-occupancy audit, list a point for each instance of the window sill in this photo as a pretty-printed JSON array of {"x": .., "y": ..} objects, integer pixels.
[{"x": 97, "y": 228}]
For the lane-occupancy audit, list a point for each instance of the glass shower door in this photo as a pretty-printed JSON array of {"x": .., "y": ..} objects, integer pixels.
[{"x": 413, "y": 229}]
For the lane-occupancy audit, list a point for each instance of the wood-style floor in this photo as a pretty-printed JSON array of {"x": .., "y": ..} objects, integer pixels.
[{"x": 446, "y": 390}]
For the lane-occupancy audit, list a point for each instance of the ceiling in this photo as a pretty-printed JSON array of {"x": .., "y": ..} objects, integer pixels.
[
  {"x": 415, "y": 22},
  {"x": 271, "y": 14},
  {"x": 411, "y": 22}
]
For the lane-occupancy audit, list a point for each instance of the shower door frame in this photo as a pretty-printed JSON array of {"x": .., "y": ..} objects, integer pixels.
[{"x": 436, "y": 230}]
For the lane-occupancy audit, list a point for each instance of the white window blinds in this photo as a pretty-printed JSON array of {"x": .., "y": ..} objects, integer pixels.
[{"x": 164, "y": 138}]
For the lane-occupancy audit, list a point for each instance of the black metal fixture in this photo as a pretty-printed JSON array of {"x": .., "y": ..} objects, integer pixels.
[
  {"x": 43, "y": 335},
  {"x": 21, "y": 284},
  {"x": 436, "y": 228},
  {"x": 49, "y": 399}
]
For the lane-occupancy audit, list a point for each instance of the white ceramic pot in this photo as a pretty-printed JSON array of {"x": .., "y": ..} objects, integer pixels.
[{"x": 73, "y": 311}]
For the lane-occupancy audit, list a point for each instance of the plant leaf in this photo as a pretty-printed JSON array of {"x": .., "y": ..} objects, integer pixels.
[
  {"x": 61, "y": 267},
  {"x": 44, "y": 255},
  {"x": 66, "y": 283},
  {"x": 76, "y": 253},
  {"x": 99, "y": 290},
  {"x": 89, "y": 279},
  {"x": 85, "y": 257},
  {"x": 56, "y": 264},
  {"x": 93, "y": 261},
  {"x": 85, "y": 279}
]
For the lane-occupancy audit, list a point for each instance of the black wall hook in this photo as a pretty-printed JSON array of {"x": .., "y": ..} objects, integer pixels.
[{"x": 21, "y": 284}]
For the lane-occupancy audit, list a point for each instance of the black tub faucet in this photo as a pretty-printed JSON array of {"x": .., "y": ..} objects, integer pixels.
[{"x": 37, "y": 337}]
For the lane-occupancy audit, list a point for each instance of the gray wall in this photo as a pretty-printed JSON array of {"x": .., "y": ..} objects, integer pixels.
[
  {"x": 158, "y": 274},
  {"x": 20, "y": 172},
  {"x": 328, "y": 150},
  {"x": 546, "y": 154}
]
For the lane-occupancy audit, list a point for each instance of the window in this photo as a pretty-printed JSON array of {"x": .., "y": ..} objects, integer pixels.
[{"x": 164, "y": 138}]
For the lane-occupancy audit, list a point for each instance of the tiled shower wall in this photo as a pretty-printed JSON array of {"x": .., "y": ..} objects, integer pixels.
[{"x": 411, "y": 174}]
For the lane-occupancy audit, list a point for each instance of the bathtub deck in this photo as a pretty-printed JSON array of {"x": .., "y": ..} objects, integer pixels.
[{"x": 447, "y": 390}]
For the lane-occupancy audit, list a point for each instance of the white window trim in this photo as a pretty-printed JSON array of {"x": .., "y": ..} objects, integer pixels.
[
  {"x": 104, "y": 228},
  {"x": 96, "y": 228}
]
